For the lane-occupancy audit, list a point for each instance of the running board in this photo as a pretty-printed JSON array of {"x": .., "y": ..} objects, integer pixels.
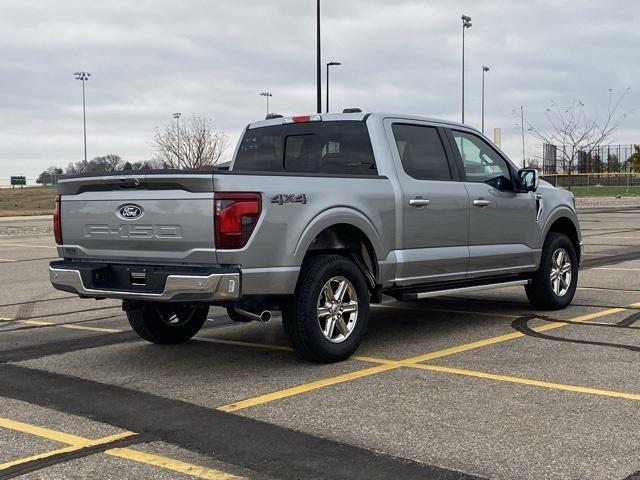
[{"x": 470, "y": 288}]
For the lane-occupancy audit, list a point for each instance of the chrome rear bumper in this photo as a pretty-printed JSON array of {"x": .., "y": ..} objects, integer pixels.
[{"x": 178, "y": 287}]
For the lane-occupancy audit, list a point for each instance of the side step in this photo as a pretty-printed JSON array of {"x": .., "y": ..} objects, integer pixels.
[{"x": 434, "y": 292}]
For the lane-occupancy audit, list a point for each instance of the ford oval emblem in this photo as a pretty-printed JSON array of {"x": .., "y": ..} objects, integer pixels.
[{"x": 129, "y": 212}]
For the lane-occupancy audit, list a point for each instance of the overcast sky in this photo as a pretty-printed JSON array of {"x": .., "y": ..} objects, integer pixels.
[{"x": 149, "y": 59}]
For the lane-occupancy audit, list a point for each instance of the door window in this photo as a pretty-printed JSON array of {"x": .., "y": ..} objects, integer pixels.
[
  {"x": 421, "y": 152},
  {"x": 481, "y": 162}
]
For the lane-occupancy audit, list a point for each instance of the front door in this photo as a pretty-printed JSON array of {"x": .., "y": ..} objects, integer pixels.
[
  {"x": 435, "y": 206},
  {"x": 501, "y": 219}
]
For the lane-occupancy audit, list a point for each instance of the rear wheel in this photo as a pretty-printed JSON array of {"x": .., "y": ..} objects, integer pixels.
[
  {"x": 167, "y": 323},
  {"x": 327, "y": 319},
  {"x": 554, "y": 284}
]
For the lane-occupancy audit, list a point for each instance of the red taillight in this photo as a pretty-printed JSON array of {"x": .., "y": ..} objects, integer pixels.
[
  {"x": 236, "y": 215},
  {"x": 57, "y": 221}
]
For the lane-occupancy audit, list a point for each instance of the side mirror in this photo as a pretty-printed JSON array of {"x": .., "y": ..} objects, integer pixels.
[{"x": 529, "y": 178}]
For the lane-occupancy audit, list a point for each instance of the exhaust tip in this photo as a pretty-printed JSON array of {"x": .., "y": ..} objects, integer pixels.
[{"x": 265, "y": 316}]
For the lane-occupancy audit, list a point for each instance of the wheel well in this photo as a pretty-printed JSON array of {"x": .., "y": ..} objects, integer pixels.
[
  {"x": 344, "y": 237},
  {"x": 566, "y": 226}
]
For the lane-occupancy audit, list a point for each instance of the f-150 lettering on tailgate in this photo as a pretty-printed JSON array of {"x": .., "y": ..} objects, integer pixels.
[{"x": 133, "y": 231}]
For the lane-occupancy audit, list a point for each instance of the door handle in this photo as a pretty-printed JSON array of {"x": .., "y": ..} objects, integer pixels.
[
  {"x": 419, "y": 202},
  {"x": 481, "y": 203}
]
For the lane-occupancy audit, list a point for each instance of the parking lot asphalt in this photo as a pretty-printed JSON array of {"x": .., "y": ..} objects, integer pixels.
[{"x": 468, "y": 386}]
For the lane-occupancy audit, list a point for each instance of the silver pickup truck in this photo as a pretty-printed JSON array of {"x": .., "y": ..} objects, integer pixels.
[{"x": 317, "y": 217}]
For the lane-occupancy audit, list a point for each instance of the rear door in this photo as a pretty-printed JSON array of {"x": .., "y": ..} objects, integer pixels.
[
  {"x": 154, "y": 218},
  {"x": 435, "y": 204},
  {"x": 502, "y": 220}
]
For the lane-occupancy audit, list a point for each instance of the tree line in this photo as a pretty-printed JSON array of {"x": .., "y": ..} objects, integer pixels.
[{"x": 193, "y": 145}]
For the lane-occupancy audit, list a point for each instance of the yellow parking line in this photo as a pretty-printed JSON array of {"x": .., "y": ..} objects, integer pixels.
[
  {"x": 42, "y": 432},
  {"x": 527, "y": 381},
  {"x": 243, "y": 344},
  {"x": 283, "y": 348},
  {"x": 171, "y": 464},
  {"x": 606, "y": 235},
  {"x": 509, "y": 336},
  {"x": 604, "y": 289},
  {"x": 70, "y": 448},
  {"x": 92, "y": 329},
  {"x": 76, "y": 442},
  {"x": 386, "y": 365},
  {"x": 24, "y": 245},
  {"x": 43, "y": 323},
  {"x": 7, "y": 260},
  {"x": 306, "y": 387},
  {"x": 616, "y": 268}
]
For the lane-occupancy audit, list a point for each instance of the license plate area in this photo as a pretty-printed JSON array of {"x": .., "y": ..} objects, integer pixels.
[{"x": 127, "y": 278}]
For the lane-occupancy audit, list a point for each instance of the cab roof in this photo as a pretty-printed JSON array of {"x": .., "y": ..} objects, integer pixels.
[{"x": 359, "y": 116}]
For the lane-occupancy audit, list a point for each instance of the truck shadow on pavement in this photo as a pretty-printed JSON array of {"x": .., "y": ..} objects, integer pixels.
[{"x": 521, "y": 325}]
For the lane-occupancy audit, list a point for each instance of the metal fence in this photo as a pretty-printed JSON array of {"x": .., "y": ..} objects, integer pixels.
[
  {"x": 605, "y": 184},
  {"x": 605, "y": 159}
]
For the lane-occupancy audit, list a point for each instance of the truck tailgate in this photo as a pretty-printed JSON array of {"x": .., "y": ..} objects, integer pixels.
[{"x": 159, "y": 218}]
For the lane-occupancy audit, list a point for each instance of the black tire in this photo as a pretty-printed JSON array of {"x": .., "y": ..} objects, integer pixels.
[
  {"x": 300, "y": 317},
  {"x": 167, "y": 323},
  {"x": 540, "y": 291}
]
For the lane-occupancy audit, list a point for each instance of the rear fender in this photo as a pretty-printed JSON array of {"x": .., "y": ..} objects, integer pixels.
[{"x": 335, "y": 216}]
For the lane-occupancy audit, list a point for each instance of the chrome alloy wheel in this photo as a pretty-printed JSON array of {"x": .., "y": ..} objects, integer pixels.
[
  {"x": 560, "y": 272},
  {"x": 337, "y": 309}
]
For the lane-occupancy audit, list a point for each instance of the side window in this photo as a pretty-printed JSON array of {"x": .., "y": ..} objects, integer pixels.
[
  {"x": 480, "y": 161},
  {"x": 421, "y": 152}
]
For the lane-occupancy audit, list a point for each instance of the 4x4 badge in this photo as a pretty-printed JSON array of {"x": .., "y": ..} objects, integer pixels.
[{"x": 283, "y": 198}]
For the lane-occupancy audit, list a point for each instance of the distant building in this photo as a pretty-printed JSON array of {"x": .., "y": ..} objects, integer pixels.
[{"x": 549, "y": 159}]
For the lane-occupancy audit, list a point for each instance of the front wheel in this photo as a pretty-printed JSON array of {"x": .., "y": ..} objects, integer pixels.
[
  {"x": 327, "y": 319},
  {"x": 554, "y": 284},
  {"x": 167, "y": 323}
]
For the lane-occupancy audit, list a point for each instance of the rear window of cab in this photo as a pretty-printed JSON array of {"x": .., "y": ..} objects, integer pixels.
[{"x": 337, "y": 147}]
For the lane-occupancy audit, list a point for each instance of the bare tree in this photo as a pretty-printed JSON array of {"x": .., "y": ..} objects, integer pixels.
[
  {"x": 105, "y": 163},
  {"x": 112, "y": 162},
  {"x": 196, "y": 145},
  {"x": 575, "y": 133}
]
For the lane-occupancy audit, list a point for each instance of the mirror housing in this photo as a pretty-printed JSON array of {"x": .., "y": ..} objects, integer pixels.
[{"x": 529, "y": 179}]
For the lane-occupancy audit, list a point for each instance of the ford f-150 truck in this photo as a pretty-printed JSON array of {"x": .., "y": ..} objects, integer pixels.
[{"x": 317, "y": 217}]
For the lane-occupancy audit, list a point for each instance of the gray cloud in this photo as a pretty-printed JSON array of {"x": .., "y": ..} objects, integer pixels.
[{"x": 151, "y": 58}]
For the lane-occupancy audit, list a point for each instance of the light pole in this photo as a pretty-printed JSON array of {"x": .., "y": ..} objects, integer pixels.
[
  {"x": 466, "y": 23},
  {"x": 524, "y": 161},
  {"x": 318, "y": 63},
  {"x": 267, "y": 95},
  {"x": 484, "y": 70},
  {"x": 84, "y": 76},
  {"x": 177, "y": 117},
  {"x": 330, "y": 64}
]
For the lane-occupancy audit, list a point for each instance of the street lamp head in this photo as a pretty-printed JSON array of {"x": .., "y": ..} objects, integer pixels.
[
  {"x": 331, "y": 64},
  {"x": 467, "y": 24},
  {"x": 266, "y": 94},
  {"x": 81, "y": 75},
  {"x": 485, "y": 69},
  {"x": 465, "y": 18},
  {"x": 177, "y": 115}
]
